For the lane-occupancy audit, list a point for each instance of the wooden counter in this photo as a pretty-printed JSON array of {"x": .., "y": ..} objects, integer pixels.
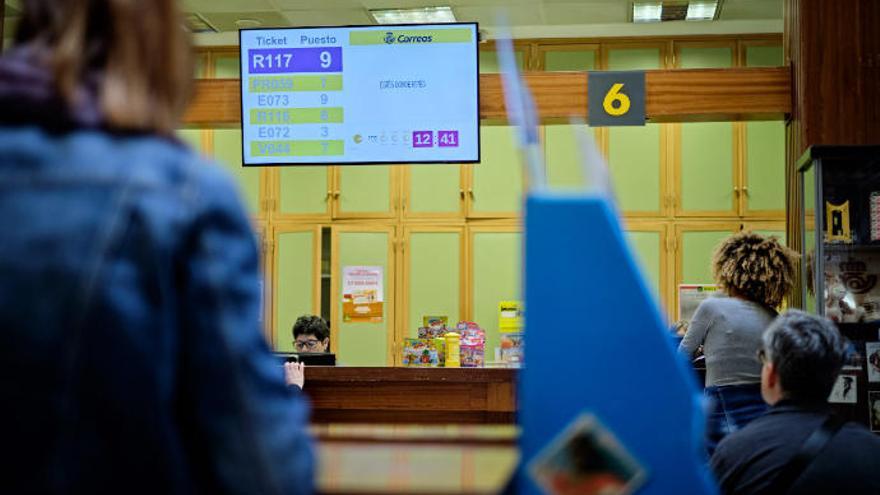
[
  {"x": 442, "y": 469},
  {"x": 411, "y": 395},
  {"x": 414, "y": 459}
]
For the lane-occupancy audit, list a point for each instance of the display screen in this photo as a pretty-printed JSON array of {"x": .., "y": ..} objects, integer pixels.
[{"x": 357, "y": 95}]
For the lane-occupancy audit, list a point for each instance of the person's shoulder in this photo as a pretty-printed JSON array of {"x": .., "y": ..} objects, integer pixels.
[
  {"x": 757, "y": 428},
  {"x": 715, "y": 302},
  {"x": 174, "y": 159},
  {"x": 761, "y": 443},
  {"x": 170, "y": 164},
  {"x": 860, "y": 439},
  {"x": 766, "y": 426},
  {"x": 722, "y": 302}
]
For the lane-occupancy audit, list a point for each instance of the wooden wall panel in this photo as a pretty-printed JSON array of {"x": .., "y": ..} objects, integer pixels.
[
  {"x": 834, "y": 52},
  {"x": 216, "y": 103},
  {"x": 672, "y": 96},
  {"x": 2, "y": 19}
]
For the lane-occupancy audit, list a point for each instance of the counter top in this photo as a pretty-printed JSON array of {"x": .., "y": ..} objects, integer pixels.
[
  {"x": 384, "y": 374},
  {"x": 411, "y": 395},
  {"x": 502, "y": 434}
]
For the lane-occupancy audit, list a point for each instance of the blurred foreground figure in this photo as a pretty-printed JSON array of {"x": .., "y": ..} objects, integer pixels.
[{"x": 131, "y": 359}]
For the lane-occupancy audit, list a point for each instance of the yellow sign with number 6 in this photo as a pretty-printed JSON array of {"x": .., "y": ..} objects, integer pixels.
[
  {"x": 614, "y": 95},
  {"x": 616, "y": 98}
]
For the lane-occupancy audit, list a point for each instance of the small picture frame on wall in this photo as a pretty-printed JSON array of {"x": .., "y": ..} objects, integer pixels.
[
  {"x": 845, "y": 390},
  {"x": 854, "y": 357},
  {"x": 837, "y": 222},
  {"x": 874, "y": 410},
  {"x": 872, "y": 359},
  {"x": 874, "y": 207}
]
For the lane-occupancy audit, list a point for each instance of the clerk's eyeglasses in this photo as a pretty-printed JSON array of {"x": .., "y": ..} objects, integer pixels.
[
  {"x": 306, "y": 345},
  {"x": 762, "y": 356}
]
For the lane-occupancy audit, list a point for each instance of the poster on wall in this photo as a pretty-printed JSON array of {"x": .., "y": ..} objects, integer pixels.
[
  {"x": 875, "y": 216},
  {"x": 362, "y": 294},
  {"x": 874, "y": 410},
  {"x": 872, "y": 353},
  {"x": 852, "y": 291},
  {"x": 845, "y": 390},
  {"x": 510, "y": 316},
  {"x": 690, "y": 296}
]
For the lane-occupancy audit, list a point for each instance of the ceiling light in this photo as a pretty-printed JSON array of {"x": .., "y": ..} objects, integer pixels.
[
  {"x": 675, "y": 10},
  {"x": 421, "y": 15},
  {"x": 647, "y": 12},
  {"x": 701, "y": 11}
]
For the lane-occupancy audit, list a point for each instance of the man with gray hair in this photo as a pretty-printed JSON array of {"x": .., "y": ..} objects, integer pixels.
[{"x": 798, "y": 447}]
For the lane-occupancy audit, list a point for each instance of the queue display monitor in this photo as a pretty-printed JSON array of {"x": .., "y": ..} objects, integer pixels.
[{"x": 360, "y": 95}]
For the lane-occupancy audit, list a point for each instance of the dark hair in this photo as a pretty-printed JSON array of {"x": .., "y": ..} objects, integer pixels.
[
  {"x": 755, "y": 267},
  {"x": 136, "y": 54},
  {"x": 807, "y": 352},
  {"x": 311, "y": 325}
]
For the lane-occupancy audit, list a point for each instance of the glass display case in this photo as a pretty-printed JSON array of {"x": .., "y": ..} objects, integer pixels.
[{"x": 840, "y": 224}]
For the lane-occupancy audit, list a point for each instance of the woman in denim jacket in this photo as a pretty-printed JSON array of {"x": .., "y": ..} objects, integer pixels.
[{"x": 131, "y": 358}]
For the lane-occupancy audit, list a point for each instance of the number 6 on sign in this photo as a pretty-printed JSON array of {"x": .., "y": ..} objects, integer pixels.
[
  {"x": 616, "y": 98},
  {"x": 614, "y": 95}
]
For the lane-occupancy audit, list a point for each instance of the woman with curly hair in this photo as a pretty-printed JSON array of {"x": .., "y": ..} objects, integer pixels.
[{"x": 754, "y": 273}]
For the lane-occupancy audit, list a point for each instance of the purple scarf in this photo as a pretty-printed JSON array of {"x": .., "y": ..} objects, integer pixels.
[{"x": 28, "y": 94}]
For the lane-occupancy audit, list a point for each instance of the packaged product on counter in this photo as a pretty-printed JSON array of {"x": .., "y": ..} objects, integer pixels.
[
  {"x": 472, "y": 356},
  {"x": 512, "y": 348},
  {"x": 421, "y": 353},
  {"x": 473, "y": 344},
  {"x": 434, "y": 326},
  {"x": 453, "y": 350},
  {"x": 440, "y": 345},
  {"x": 432, "y": 332},
  {"x": 471, "y": 334},
  {"x": 510, "y": 316},
  {"x": 435, "y": 321}
]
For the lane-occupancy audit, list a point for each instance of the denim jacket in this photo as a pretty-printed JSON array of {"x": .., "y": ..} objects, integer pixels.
[{"x": 131, "y": 357}]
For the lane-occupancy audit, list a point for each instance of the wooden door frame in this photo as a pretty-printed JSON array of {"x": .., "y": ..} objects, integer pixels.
[
  {"x": 393, "y": 190},
  {"x": 280, "y": 228},
  {"x": 665, "y": 46},
  {"x": 468, "y": 183},
  {"x": 676, "y": 141},
  {"x": 731, "y": 43},
  {"x": 765, "y": 225},
  {"x": 735, "y": 169},
  {"x": 406, "y": 194},
  {"x": 744, "y": 43},
  {"x": 402, "y": 320},
  {"x": 273, "y": 188},
  {"x": 731, "y": 226},
  {"x": 481, "y": 228},
  {"x": 390, "y": 295},
  {"x": 743, "y": 195},
  {"x": 527, "y": 47},
  {"x": 662, "y": 227},
  {"x": 544, "y": 48}
]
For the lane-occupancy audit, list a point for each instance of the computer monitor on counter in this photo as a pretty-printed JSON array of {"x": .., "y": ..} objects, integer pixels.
[{"x": 309, "y": 358}]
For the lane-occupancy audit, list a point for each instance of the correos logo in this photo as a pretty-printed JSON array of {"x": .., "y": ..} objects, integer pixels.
[{"x": 403, "y": 38}]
